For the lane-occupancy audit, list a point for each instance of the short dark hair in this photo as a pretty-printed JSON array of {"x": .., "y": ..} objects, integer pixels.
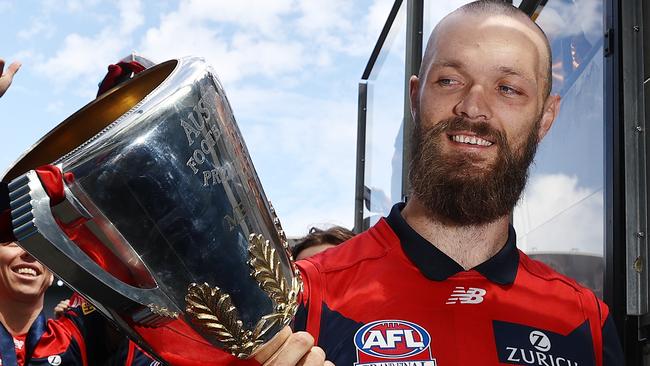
[{"x": 335, "y": 235}]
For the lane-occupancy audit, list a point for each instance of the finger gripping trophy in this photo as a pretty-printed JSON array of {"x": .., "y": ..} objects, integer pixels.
[{"x": 162, "y": 222}]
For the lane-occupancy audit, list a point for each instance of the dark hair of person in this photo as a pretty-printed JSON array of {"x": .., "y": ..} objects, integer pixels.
[{"x": 334, "y": 235}]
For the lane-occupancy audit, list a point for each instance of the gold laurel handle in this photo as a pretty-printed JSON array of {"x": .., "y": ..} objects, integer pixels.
[{"x": 213, "y": 311}]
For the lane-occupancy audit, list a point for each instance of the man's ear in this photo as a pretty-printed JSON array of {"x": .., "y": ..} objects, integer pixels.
[
  {"x": 414, "y": 93},
  {"x": 549, "y": 113},
  {"x": 51, "y": 279}
]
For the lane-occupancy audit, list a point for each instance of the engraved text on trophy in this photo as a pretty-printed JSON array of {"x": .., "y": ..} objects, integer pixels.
[{"x": 202, "y": 136}]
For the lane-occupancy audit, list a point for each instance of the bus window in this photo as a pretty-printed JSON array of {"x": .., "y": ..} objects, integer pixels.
[{"x": 560, "y": 218}]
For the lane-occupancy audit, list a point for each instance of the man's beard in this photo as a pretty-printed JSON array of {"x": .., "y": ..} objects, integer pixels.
[{"x": 453, "y": 188}]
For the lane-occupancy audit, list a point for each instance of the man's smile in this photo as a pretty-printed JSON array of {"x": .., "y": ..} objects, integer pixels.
[
  {"x": 470, "y": 140},
  {"x": 26, "y": 270}
]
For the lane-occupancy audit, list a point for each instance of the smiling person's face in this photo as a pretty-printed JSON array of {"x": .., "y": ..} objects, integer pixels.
[
  {"x": 22, "y": 278},
  {"x": 480, "y": 109}
]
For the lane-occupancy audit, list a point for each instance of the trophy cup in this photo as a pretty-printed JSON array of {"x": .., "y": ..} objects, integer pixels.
[{"x": 164, "y": 227}]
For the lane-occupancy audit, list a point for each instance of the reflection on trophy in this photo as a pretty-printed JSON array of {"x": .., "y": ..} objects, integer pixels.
[{"x": 164, "y": 225}]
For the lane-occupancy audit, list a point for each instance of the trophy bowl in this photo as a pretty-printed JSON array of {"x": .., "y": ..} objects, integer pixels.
[{"x": 164, "y": 227}]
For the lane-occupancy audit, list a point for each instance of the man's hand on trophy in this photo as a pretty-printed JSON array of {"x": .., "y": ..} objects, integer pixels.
[
  {"x": 288, "y": 348},
  {"x": 8, "y": 76}
]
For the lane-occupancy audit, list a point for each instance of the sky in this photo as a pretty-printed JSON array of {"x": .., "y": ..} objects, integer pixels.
[{"x": 291, "y": 70}]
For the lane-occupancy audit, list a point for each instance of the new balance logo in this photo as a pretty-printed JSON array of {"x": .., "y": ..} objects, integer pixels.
[{"x": 472, "y": 295}]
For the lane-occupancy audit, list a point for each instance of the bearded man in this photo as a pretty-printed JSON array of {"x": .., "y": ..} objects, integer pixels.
[{"x": 440, "y": 281}]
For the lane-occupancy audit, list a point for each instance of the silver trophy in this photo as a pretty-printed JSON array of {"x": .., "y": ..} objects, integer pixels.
[{"x": 165, "y": 227}]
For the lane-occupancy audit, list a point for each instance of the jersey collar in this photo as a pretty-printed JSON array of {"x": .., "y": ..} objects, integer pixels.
[{"x": 436, "y": 265}]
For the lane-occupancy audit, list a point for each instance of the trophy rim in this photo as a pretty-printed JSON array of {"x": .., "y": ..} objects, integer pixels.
[{"x": 90, "y": 120}]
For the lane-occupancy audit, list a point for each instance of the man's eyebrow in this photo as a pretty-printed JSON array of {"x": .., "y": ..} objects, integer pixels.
[
  {"x": 448, "y": 63},
  {"x": 506, "y": 70},
  {"x": 515, "y": 72}
]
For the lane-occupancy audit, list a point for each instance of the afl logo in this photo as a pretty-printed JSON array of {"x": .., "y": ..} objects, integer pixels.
[{"x": 392, "y": 339}]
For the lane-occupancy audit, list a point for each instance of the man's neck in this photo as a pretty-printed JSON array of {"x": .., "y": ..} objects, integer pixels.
[
  {"x": 17, "y": 317},
  {"x": 469, "y": 246}
]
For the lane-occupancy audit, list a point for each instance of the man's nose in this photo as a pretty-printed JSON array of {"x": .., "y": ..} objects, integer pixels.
[{"x": 474, "y": 105}]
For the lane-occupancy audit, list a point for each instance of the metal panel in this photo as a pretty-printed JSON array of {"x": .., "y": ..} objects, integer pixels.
[
  {"x": 645, "y": 29},
  {"x": 361, "y": 157},
  {"x": 380, "y": 41},
  {"x": 635, "y": 159},
  {"x": 615, "y": 254},
  {"x": 359, "y": 187},
  {"x": 628, "y": 326},
  {"x": 414, "y": 25}
]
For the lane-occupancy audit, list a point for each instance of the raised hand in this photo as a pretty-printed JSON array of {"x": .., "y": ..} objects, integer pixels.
[
  {"x": 8, "y": 76},
  {"x": 61, "y": 307}
]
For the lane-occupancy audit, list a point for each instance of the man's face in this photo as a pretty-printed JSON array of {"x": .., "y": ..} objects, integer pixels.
[
  {"x": 22, "y": 278},
  {"x": 479, "y": 112}
]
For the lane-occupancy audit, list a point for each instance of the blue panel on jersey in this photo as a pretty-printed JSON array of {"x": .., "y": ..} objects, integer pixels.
[
  {"x": 338, "y": 349},
  {"x": 519, "y": 344}
]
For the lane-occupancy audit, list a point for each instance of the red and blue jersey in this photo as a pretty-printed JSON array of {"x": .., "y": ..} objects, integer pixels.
[
  {"x": 389, "y": 297},
  {"x": 129, "y": 354},
  {"x": 48, "y": 342},
  {"x": 126, "y": 353},
  {"x": 77, "y": 338}
]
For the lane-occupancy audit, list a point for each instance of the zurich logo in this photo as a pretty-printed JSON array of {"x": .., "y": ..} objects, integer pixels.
[
  {"x": 54, "y": 360},
  {"x": 391, "y": 339},
  {"x": 540, "y": 341}
]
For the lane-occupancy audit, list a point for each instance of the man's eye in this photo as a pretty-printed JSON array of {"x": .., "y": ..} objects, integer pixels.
[
  {"x": 447, "y": 82},
  {"x": 508, "y": 90}
]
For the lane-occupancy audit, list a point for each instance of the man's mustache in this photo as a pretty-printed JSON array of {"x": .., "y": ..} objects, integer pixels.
[{"x": 481, "y": 129}]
